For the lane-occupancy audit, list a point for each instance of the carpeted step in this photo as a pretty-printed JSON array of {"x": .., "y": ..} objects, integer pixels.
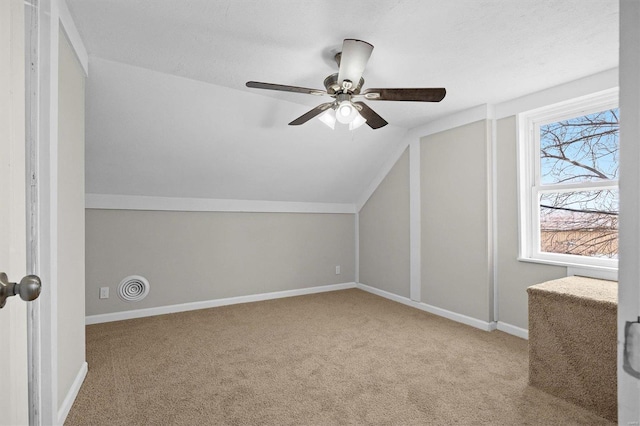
[{"x": 572, "y": 341}]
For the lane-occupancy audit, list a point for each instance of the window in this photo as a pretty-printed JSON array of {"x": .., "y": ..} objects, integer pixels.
[{"x": 568, "y": 170}]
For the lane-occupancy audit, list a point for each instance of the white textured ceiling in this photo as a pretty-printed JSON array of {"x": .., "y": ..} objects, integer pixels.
[
  {"x": 154, "y": 134},
  {"x": 482, "y": 51}
]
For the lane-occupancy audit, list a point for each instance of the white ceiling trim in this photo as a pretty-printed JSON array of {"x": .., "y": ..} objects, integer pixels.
[
  {"x": 587, "y": 86},
  {"x": 471, "y": 115},
  {"x": 415, "y": 222},
  {"x": 133, "y": 202}
]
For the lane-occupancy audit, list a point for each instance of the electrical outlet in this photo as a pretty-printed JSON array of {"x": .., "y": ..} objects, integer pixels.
[
  {"x": 104, "y": 292},
  {"x": 338, "y": 270}
]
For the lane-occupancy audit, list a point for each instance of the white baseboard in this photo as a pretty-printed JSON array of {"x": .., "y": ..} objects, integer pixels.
[
  {"x": 512, "y": 329},
  {"x": 192, "y": 306},
  {"x": 161, "y": 310},
  {"x": 386, "y": 294},
  {"x": 64, "y": 409},
  {"x": 454, "y": 316}
]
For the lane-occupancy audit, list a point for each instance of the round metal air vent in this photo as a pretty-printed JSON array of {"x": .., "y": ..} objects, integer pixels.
[{"x": 133, "y": 288}]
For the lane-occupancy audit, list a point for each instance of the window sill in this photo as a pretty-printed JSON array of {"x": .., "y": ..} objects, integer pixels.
[{"x": 601, "y": 272}]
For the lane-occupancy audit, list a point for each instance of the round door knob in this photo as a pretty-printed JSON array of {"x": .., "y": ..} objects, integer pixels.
[{"x": 29, "y": 288}]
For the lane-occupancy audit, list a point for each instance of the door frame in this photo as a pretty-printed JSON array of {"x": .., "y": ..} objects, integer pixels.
[
  {"x": 42, "y": 139},
  {"x": 629, "y": 273},
  {"x": 46, "y": 19},
  {"x": 31, "y": 134}
]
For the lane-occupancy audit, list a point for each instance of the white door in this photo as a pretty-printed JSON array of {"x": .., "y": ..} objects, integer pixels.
[
  {"x": 629, "y": 274},
  {"x": 13, "y": 317}
]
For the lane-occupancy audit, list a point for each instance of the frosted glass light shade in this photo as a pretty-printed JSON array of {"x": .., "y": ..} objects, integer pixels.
[
  {"x": 328, "y": 118},
  {"x": 346, "y": 112},
  {"x": 357, "y": 122}
]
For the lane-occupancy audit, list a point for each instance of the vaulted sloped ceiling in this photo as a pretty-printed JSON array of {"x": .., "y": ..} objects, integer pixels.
[{"x": 169, "y": 114}]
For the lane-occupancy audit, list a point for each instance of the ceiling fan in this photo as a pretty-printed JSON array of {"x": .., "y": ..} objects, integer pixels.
[{"x": 346, "y": 88}]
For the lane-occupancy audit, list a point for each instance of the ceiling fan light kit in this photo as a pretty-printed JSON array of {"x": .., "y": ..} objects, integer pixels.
[
  {"x": 352, "y": 62},
  {"x": 357, "y": 122},
  {"x": 329, "y": 118},
  {"x": 346, "y": 112}
]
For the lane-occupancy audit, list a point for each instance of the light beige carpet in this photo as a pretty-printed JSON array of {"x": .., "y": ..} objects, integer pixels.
[
  {"x": 346, "y": 357},
  {"x": 573, "y": 342}
]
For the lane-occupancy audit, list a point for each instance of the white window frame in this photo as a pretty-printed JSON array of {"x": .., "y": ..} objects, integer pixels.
[{"x": 529, "y": 188}]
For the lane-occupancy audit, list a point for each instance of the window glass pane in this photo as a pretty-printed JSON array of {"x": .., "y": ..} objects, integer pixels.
[
  {"x": 580, "y": 149},
  {"x": 583, "y": 223}
]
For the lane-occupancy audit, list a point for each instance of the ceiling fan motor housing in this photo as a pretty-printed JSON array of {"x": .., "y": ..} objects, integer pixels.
[{"x": 332, "y": 86}]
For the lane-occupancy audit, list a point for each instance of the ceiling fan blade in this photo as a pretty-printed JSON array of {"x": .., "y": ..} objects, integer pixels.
[
  {"x": 284, "y": 88},
  {"x": 353, "y": 60},
  {"x": 415, "y": 95},
  {"x": 373, "y": 119},
  {"x": 309, "y": 115}
]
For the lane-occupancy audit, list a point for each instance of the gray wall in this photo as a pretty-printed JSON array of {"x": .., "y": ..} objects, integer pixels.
[
  {"x": 384, "y": 232},
  {"x": 71, "y": 232},
  {"x": 513, "y": 277},
  {"x": 455, "y": 250},
  {"x": 248, "y": 253},
  {"x": 198, "y": 256}
]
